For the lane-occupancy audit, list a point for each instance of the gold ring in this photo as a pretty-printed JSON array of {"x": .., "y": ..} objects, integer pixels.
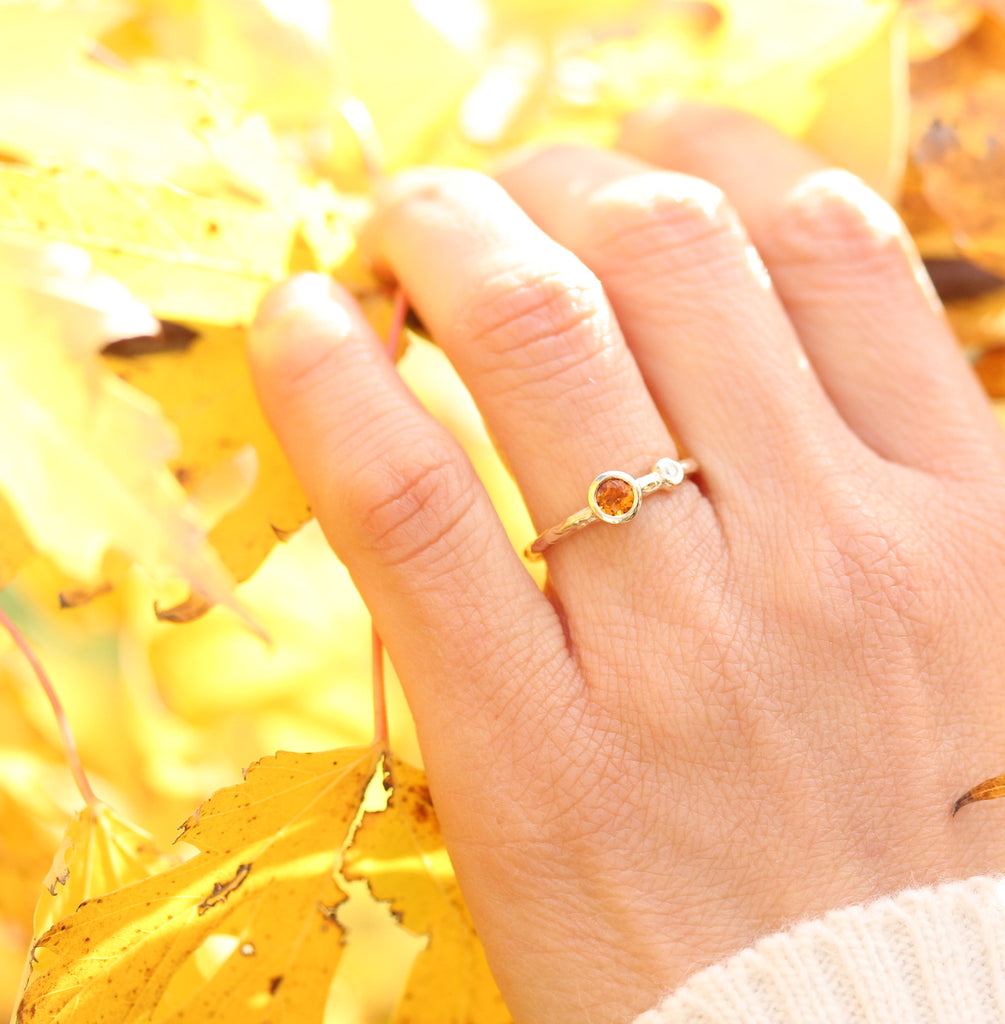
[{"x": 614, "y": 497}]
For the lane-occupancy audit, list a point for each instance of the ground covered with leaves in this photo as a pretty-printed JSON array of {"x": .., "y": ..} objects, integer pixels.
[{"x": 162, "y": 162}]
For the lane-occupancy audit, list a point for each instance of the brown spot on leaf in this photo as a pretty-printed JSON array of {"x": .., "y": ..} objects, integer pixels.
[
  {"x": 328, "y": 913},
  {"x": 173, "y": 337},
  {"x": 61, "y": 879},
  {"x": 274, "y": 983},
  {"x": 222, "y": 890},
  {"x": 192, "y": 608},
  {"x": 74, "y": 597},
  {"x": 960, "y": 279}
]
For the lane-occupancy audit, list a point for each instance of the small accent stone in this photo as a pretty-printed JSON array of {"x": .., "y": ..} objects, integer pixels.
[
  {"x": 670, "y": 471},
  {"x": 614, "y": 497}
]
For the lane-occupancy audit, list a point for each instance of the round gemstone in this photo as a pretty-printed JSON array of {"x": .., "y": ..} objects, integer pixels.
[
  {"x": 614, "y": 497},
  {"x": 671, "y": 472}
]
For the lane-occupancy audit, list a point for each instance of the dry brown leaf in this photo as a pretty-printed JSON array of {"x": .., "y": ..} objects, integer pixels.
[
  {"x": 989, "y": 789},
  {"x": 400, "y": 853},
  {"x": 934, "y": 26},
  {"x": 990, "y": 367},
  {"x": 967, "y": 189},
  {"x": 245, "y": 931},
  {"x": 958, "y": 133}
]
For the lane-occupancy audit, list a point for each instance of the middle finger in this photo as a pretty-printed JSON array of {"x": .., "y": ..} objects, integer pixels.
[
  {"x": 530, "y": 330},
  {"x": 718, "y": 351}
]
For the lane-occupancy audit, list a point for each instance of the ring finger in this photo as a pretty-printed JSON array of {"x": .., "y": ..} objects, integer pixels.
[{"x": 529, "y": 328}]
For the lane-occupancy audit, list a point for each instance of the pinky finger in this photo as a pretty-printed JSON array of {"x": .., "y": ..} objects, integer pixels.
[{"x": 404, "y": 510}]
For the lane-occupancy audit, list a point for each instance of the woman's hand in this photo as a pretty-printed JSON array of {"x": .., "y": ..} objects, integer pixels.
[{"x": 758, "y": 700}]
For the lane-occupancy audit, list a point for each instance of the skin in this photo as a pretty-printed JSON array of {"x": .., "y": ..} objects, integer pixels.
[{"x": 759, "y": 700}]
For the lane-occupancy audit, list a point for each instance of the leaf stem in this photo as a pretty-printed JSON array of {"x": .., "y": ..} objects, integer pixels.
[
  {"x": 69, "y": 744},
  {"x": 399, "y": 313},
  {"x": 381, "y": 732}
]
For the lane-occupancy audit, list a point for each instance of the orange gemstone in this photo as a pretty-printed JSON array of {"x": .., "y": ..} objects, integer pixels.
[{"x": 614, "y": 497}]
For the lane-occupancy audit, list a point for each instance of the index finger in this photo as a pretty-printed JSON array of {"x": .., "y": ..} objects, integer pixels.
[{"x": 404, "y": 510}]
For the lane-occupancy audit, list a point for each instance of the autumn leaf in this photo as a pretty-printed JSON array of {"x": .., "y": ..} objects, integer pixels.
[
  {"x": 15, "y": 548},
  {"x": 244, "y": 931},
  {"x": 183, "y": 256},
  {"x": 990, "y": 367},
  {"x": 400, "y": 853},
  {"x": 433, "y": 71},
  {"x": 935, "y": 26},
  {"x": 62, "y": 105},
  {"x": 967, "y": 188},
  {"x": 214, "y": 422},
  {"x": 100, "y": 851},
  {"x": 958, "y": 126},
  {"x": 88, "y": 472},
  {"x": 34, "y": 815},
  {"x": 989, "y": 789}
]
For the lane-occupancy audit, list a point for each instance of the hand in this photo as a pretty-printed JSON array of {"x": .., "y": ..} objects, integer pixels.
[{"x": 758, "y": 700}]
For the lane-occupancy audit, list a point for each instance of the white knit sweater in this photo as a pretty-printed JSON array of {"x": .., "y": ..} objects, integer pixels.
[{"x": 925, "y": 956}]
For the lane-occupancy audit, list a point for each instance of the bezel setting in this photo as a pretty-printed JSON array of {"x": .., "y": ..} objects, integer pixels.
[{"x": 621, "y": 517}]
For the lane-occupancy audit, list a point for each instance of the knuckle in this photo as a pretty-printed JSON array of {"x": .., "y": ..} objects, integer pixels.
[
  {"x": 872, "y": 556},
  {"x": 555, "y": 320},
  {"x": 408, "y": 506},
  {"x": 833, "y": 225},
  {"x": 664, "y": 222},
  {"x": 436, "y": 186}
]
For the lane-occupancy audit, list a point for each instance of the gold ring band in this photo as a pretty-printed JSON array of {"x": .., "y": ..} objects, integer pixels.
[{"x": 614, "y": 497}]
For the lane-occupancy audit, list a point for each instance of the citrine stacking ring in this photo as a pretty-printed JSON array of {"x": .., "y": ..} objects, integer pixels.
[{"x": 614, "y": 497}]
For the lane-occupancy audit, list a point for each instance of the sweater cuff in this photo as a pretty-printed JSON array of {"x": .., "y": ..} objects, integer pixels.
[{"x": 924, "y": 956}]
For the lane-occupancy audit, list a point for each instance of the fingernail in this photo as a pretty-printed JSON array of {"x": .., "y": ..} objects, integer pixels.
[
  {"x": 516, "y": 158},
  {"x": 299, "y": 317},
  {"x": 313, "y": 292},
  {"x": 651, "y": 117}
]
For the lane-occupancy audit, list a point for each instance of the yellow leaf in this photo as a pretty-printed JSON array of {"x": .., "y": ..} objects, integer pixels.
[
  {"x": 100, "y": 852},
  {"x": 184, "y": 256},
  {"x": 277, "y": 54},
  {"x": 15, "y": 548},
  {"x": 213, "y": 423},
  {"x": 89, "y": 308},
  {"x": 407, "y": 74},
  {"x": 772, "y": 55},
  {"x": 550, "y": 16},
  {"x": 35, "y": 795},
  {"x": 248, "y": 924},
  {"x": 154, "y": 123},
  {"x": 400, "y": 853},
  {"x": 88, "y": 472},
  {"x": 989, "y": 789},
  {"x": 872, "y": 82}
]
